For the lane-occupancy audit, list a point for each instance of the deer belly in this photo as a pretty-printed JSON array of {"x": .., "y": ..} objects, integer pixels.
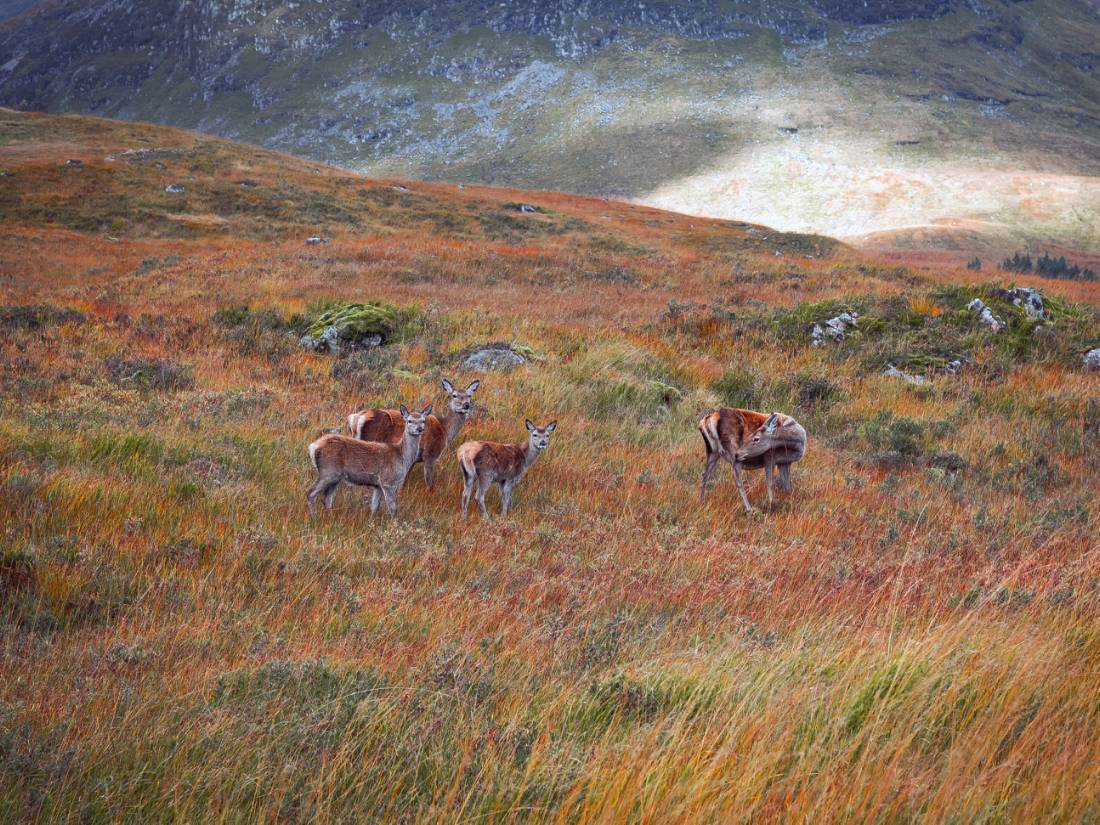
[{"x": 362, "y": 479}]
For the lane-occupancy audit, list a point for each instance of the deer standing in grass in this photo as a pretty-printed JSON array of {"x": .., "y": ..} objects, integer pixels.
[
  {"x": 484, "y": 463},
  {"x": 751, "y": 440},
  {"x": 386, "y": 426},
  {"x": 338, "y": 459}
]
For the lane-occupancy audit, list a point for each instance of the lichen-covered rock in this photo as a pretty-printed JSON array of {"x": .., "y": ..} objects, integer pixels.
[
  {"x": 985, "y": 315},
  {"x": 493, "y": 358},
  {"x": 893, "y": 372},
  {"x": 315, "y": 240},
  {"x": 1092, "y": 360},
  {"x": 835, "y": 328},
  {"x": 174, "y": 188},
  {"x": 1028, "y": 299}
]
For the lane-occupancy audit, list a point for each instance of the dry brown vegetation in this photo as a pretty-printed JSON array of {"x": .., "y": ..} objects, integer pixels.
[{"x": 913, "y": 635}]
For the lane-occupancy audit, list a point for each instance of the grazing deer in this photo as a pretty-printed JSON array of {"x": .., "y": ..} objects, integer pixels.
[
  {"x": 338, "y": 458},
  {"x": 752, "y": 440},
  {"x": 487, "y": 462},
  {"x": 386, "y": 426}
]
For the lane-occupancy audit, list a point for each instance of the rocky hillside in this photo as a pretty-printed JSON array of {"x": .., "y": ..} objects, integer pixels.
[{"x": 965, "y": 124}]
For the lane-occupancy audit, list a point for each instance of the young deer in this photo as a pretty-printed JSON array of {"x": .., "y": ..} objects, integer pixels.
[
  {"x": 486, "y": 462},
  {"x": 752, "y": 440},
  {"x": 338, "y": 458},
  {"x": 386, "y": 426}
]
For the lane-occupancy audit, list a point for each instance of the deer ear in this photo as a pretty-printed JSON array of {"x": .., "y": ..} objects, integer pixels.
[
  {"x": 772, "y": 422},
  {"x": 553, "y": 425},
  {"x": 427, "y": 410},
  {"x": 530, "y": 426},
  {"x": 448, "y": 387},
  {"x": 404, "y": 411},
  {"x": 473, "y": 387}
]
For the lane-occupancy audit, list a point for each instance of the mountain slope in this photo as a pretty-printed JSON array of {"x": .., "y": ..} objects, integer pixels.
[{"x": 956, "y": 123}]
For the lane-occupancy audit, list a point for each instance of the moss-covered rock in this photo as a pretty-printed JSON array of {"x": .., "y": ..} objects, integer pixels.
[{"x": 358, "y": 324}]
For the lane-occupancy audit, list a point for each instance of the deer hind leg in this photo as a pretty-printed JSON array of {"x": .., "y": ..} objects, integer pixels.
[
  {"x": 324, "y": 487},
  {"x": 483, "y": 484},
  {"x": 712, "y": 462},
  {"x": 785, "y": 477},
  {"x": 468, "y": 480},
  {"x": 312, "y": 494},
  {"x": 429, "y": 473},
  {"x": 769, "y": 476}
]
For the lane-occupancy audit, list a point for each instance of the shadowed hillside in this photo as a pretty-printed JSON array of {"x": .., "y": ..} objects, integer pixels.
[
  {"x": 960, "y": 125},
  {"x": 912, "y": 635}
]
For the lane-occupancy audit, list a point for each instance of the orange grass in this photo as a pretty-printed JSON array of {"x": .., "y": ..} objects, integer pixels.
[{"x": 178, "y": 641}]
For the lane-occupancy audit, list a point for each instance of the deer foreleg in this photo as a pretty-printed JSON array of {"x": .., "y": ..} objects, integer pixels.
[
  {"x": 390, "y": 495},
  {"x": 785, "y": 477},
  {"x": 741, "y": 486},
  {"x": 769, "y": 476}
]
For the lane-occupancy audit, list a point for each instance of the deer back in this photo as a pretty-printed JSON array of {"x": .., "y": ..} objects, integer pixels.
[{"x": 388, "y": 427}]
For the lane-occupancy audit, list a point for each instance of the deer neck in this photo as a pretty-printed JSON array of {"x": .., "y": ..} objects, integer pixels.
[
  {"x": 452, "y": 423},
  {"x": 530, "y": 455},
  {"x": 410, "y": 449}
]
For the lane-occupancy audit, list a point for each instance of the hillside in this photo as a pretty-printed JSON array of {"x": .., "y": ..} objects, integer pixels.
[
  {"x": 912, "y": 635},
  {"x": 967, "y": 126}
]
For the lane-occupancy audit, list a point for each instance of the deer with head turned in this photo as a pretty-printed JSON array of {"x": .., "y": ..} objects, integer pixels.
[
  {"x": 485, "y": 463},
  {"x": 387, "y": 425},
  {"x": 382, "y": 466},
  {"x": 751, "y": 440}
]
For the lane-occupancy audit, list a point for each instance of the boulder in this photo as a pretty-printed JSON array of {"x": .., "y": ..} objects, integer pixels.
[
  {"x": 893, "y": 372},
  {"x": 315, "y": 240},
  {"x": 492, "y": 358},
  {"x": 1092, "y": 360},
  {"x": 985, "y": 315},
  {"x": 1028, "y": 299},
  {"x": 174, "y": 188},
  {"x": 362, "y": 325},
  {"x": 835, "y": 328}
]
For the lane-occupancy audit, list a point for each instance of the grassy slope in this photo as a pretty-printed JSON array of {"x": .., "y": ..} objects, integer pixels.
[{"x": 178, "y": 641}]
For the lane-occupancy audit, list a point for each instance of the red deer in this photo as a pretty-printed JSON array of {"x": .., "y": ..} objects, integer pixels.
[
  {"x": 751, "y": 440},
  {"x": 386, "y": 426},
  {"x": 484, "y": 463},
  {"x": 338, "y": 459}
]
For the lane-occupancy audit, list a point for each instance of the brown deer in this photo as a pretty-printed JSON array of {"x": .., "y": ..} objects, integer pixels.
[
  {"x": 338, "y": 459},
  {"x": 752, "y": 440},
  {"x": 386, "y": 426},
  {"x": 484, "y": 463}
]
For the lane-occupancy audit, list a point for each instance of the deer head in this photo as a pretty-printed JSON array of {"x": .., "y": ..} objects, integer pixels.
[
  {"x": 540, "y": 436},
  {"x": 461, "y": 401},
  {"x": 761, "y": 440},
  {"x": 415, "y": 421}
]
